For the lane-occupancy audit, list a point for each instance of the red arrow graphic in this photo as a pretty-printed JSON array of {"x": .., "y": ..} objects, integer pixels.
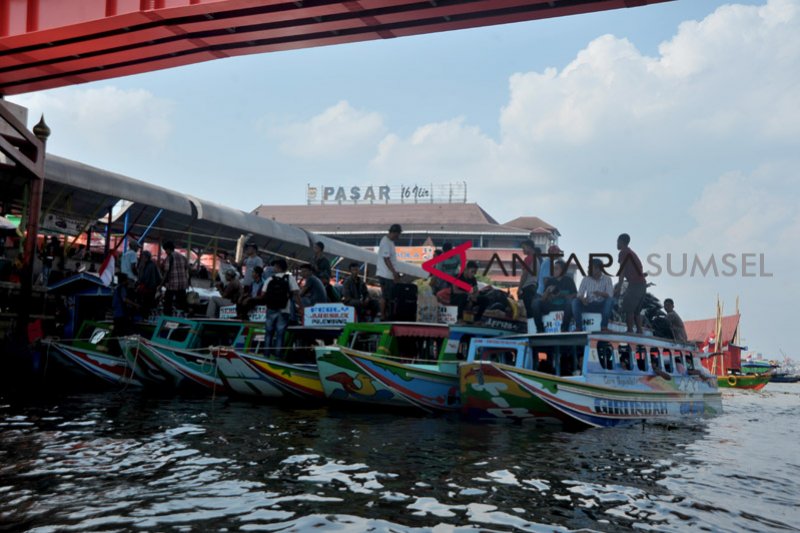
[{"x": 461, "y": 251}]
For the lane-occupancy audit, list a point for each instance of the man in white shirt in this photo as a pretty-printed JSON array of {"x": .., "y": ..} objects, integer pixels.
[
  {"x": 387, "y": 268},
  {"x": 129, "y": 261},
  {"x": 595, "y": 295},
  {"x": 250, "y": 261}
]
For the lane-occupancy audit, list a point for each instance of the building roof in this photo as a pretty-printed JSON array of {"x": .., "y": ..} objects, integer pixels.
[
  {"x": 376, "y": 218},
  {"x": 532, "y": 224},
  {"x": 701, "y": 330}
]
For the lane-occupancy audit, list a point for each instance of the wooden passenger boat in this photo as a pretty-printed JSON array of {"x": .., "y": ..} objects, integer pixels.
[
  {"x": 744, "y": 381},
  {"x": 94, "y": 353},
  {"x": 593, "y": 379},
  {"x": 294, "y": 374},
  {"x": 179, "y": 353},
  {"x": 398, "y": 364}
]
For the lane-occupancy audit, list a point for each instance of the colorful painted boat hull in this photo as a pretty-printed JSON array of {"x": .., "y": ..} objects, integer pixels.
[
  {"x": 253, "y": 375},
  {"x": 143, "y": 364},
  {"x": 360, "y": 377},
  {"x": 187, "y": 369},
  {"x": 747, "y": 381},
  {"x": 111, "y": 369},
  {"x": 644, "y": 397}
]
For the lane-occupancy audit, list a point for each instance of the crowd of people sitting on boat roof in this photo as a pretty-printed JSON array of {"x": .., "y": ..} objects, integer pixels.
[{"x": 546, "y": 285}]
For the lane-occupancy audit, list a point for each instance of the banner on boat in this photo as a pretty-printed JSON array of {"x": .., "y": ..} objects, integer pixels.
[
  {"x": 329, "y": 315},
  {"x": 258, "y": 314}
]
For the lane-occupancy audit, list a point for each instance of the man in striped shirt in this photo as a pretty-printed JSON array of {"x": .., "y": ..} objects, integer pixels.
[{"x": 594, "y": 296}]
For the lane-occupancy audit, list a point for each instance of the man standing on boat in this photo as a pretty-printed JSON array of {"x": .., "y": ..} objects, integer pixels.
[
  {"x": 387, "y": 269},
  {"x": 675, "y": 321},
  {"x": 279, "y": 291},
  {"x": 251, "y": 261},
  {"x": 176, "y": 279},
  {"x": 630, "y": 269},
  {"x": 594, "y": 295},
  {"x": 528, "y": 281}
]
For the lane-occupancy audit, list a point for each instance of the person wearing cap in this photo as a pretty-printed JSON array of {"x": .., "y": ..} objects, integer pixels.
[
  {"x": 387, "y": 268},
  {"x": 231, "y": 291},
  {"x": 250, "y": 261},
  {"x": 313, "y": 291},
  {"x": 595, "y": 295},
  {"x": 546, "y": 267}
]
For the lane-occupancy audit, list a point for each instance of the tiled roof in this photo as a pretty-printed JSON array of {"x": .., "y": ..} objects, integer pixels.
[
  {"x": 376, "y": 218},
  {"x": 531, "y": 224}
]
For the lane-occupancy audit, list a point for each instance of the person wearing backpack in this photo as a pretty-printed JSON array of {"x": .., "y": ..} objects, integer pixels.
[{"x": 278, "y": 293}]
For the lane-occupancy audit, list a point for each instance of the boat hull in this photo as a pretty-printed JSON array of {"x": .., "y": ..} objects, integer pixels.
[
  {"x": 620, "y": 400},
  {"x": 253, "y": 375},
  {"x": 107, "y": 368},
  {"x": 746, "y": 381},
  {"x": 192, "y": 370},
  {"x": 358, "y": 377}
]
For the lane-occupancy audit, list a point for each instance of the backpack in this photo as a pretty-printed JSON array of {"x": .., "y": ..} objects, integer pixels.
[{"x": 276, "y": 295}]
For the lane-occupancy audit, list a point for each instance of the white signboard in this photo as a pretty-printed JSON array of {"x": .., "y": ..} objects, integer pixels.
[
  {"x": 448, "y": 314},
  {"x": 328, "y": 315},
  {"x": 62, "y": 224},
  {"x": 258, "y": 314}
]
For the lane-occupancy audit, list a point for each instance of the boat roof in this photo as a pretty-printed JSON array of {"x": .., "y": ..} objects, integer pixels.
[{"x": 573, "y": 337}]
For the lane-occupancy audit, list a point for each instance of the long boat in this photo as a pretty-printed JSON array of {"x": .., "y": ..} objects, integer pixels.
[
  {"x": 179, "y": 353},
  {"x": 95, "y": 353},
  {"x": 398, "y": 364},
  {"x": 589, "y": 379},
  {"x": 253, "y": 373}
]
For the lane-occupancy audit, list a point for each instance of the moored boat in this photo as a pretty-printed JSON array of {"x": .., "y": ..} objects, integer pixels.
[
  {"x": 597, "y": 379},
  {"x": 398, "y": 364},
  {"x": 744, "y": 381},
  {"x": 181, "y": 350},
  {"x": 252, "y": 373},
  {"x": 94, "y": 353}
]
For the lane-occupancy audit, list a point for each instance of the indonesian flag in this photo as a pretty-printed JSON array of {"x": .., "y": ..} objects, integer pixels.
[{"x": 106, "y": 272}]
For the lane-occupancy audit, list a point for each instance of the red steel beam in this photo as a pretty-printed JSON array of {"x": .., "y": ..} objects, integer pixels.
[{"x": 52, "y": 43}]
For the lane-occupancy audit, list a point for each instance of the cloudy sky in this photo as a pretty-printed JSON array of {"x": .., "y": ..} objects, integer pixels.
[{"x": 678, "y": 123}]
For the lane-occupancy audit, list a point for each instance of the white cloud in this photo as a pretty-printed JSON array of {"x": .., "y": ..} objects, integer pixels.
[
  {"x": 338, "y": 132},
  {"x": 103, "y": 118}
]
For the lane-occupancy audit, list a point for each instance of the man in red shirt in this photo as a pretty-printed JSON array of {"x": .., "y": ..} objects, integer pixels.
[{"x": 630, "y": 269}]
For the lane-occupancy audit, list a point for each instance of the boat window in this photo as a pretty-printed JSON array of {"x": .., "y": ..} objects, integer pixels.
[
  {"x": 174, "y": 331},
  {"x": 667, "y": 359},
  {"x": 625, "y": 357},
  {"x": 218, "y": 335},
  {"x": 365, "y": 341},
  {"x": 98, "y": 335},
  {"x": 689, "y": 361},
  {"x": 641, "y": 358},
  {"x": 680, "y": 368},
  {"x": 494, "y": 354},
  {"x": 571, "y": 360},
  {"x": 655, "y": 359},
  {"x": 605, "y": 353},
  {"x": 545, "y": 359},
  {"x": 419, "y": 348},
  {"x": 463, "y": 347}
]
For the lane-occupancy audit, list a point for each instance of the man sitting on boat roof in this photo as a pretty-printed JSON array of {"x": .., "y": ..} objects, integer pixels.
[
  {"x": 559, "y": 290},
  {"x": 675, "y": 321},
  {"x": 594, "y": 295}
]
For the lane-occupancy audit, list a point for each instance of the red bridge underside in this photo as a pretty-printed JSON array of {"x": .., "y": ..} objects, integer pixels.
[{"x": 52, "y": 43}]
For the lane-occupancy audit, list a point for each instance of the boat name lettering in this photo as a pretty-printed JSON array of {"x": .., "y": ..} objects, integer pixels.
[
  {"x": 629, "y": 407},
  {"x": 621, "y": 381}
]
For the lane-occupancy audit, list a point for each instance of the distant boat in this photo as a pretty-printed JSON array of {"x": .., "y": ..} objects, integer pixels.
[
  {"x": 784, "y": 377},
  {"x": 744, "y": 381}
]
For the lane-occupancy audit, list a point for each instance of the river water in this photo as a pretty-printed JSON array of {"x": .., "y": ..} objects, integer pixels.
[{"x": 124, "y": 462}]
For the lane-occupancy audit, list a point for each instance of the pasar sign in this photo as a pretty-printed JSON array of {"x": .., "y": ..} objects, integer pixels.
[{"x": 328, "y": 315}]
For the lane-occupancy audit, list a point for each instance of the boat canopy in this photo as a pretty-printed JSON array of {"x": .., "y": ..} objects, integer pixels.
[{"x": 410, "y": 330}]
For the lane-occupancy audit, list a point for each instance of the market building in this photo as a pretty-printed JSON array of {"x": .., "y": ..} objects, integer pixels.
[{"x": 430, "y": 216}]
